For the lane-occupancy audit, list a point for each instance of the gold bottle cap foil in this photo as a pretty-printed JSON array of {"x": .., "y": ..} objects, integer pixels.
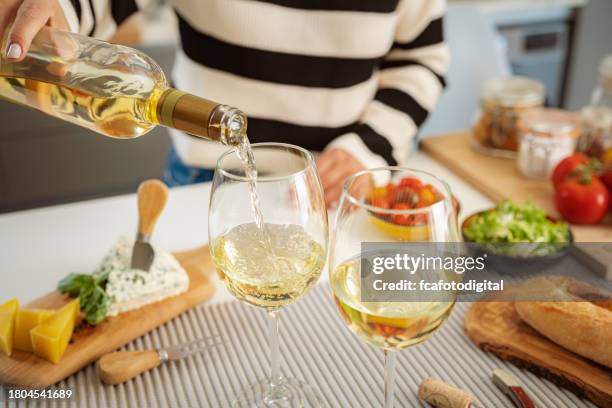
[
  {"x": 201, "y": 117},
  {"x": 443, "y": 395},
  {"x": 186, "y": 112}
]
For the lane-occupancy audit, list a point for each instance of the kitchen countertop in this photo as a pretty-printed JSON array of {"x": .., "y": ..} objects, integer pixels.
[{"x": 39, "y": 247}]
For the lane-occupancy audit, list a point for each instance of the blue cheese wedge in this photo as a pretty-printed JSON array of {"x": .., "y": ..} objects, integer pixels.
[{"x": 129, "y": 289}]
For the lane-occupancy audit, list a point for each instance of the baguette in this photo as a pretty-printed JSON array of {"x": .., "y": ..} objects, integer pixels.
[{"x": 575, "y": 316}]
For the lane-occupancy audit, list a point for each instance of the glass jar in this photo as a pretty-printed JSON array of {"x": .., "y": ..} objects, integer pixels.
[
  {"x": 602, "y": 95},
  {"x": 546, "y": 137},
  {"x": 503, "y": 100},
  {"x": 596, "y": 137}
]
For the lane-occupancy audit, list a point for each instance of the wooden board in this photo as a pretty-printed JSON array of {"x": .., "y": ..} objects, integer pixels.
[
  {"x": 27, "y": 370},
  {"x": 499, "y": 179},
  {"x": 497, "y": 327}
]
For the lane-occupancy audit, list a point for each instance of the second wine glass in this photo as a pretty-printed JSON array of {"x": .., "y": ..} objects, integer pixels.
[
  {"x": 390, "y": 205},
  {"x": 269, "y": 244}
]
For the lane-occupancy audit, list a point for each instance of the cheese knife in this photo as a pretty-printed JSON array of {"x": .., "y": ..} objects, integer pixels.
[
  {"x": 121, "y": 366},
  {"x": 152, "y": 197}
]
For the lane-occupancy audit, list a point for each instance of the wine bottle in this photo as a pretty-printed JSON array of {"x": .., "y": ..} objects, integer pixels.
[{"x": 112, "y": 89}]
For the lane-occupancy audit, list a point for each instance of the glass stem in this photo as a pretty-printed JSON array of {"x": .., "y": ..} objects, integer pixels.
[
  {"x": 275, "y": 374},
  {"x": 390, "y": 360}
]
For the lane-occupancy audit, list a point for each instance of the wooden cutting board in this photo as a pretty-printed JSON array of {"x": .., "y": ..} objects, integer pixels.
[
  {"x": 499, "y": 179},
  {"x": 497, "y": 327},
  {"x": 25, "y": 369}
]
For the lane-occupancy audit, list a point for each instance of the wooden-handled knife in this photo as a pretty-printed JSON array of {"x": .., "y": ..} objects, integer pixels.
[{"x": 152, "y": 197}]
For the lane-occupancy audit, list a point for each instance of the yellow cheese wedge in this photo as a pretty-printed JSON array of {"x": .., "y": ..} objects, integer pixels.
[
  {"x": 50, "y": 339},
  {"x": 8, "y": 311},
  {"x": 25, "y": 321}
]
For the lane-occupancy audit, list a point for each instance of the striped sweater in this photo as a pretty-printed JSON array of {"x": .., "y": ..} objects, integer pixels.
[{"x": 361, "y": 75}]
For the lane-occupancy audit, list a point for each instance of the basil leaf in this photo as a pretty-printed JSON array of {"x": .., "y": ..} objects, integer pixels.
[
  {"x": 73, "y": 283},
  {"x": 97, "y": 305},
  {"x": 93, "y": 300}
]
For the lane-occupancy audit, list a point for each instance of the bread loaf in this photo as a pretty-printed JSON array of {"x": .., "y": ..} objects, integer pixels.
[{"x": 575, "y": 315}]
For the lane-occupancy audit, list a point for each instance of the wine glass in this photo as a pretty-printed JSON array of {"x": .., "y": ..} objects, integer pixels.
[
  {"x": 269, "y": 241},
  {"x": 390, "y": 205}
]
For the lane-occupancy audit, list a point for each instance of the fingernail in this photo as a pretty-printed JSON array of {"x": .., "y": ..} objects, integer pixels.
[{"x": 13, "y": 51}]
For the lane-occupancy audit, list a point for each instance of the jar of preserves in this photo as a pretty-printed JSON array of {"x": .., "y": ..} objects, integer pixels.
[
  {"x": 596, "y": 137},
  {"x": 602, "y": 95},
  {"x": 503, "y": 100},
  {"x": 546, "y": 137}
]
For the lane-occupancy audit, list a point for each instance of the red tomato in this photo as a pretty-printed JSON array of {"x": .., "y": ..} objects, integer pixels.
[
  {"x": 582, "y": 202},
  {"x": 401, "y": 219},
  {"x": 390, "y": 188},
  {"x": 419, "y": 219},
  {"x": 380, "y": 202},
  {"x": 401, "y": 206},
  {"x": 411, "y": 182},
  {"x": 567, "y": 166},
  {"x": 606, "y": 177},
  {"x": 406, "y": 195}
]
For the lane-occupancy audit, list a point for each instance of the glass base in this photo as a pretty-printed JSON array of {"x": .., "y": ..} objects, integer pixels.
[{"x": 288, "y": 393}]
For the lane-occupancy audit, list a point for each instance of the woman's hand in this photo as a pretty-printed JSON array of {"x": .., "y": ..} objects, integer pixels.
[
  {"x": 27, "y": 18},
  {"x": 335, "y": 166}
]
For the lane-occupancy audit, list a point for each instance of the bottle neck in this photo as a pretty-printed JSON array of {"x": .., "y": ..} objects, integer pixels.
[{"x": 201, "y": 117}]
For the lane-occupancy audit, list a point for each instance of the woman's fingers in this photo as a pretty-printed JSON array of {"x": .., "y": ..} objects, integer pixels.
[
  {"x": 8, "y": 9},
  {"x": 326, "y": 161},
  {"x": 31, "y": 16}
]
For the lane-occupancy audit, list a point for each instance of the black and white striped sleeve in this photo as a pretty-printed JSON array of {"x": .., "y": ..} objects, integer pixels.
[
  {"x": 411, "y": 79},
  {"x": 98, "y": 18}
]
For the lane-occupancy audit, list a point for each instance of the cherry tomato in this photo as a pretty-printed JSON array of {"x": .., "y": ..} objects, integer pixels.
[
  {"x": 582, "y": 201},
  {"x": 406, "y": 195},
  {"x": 421, "y": 204},
  {"x": 401, "y": 206},
  {"x": 567, "y": 166},
  {"x": 411, "y": 182},
  {"x": 401, "y": 219},
  {"x": 427, "y": 195},
  {"x": 381, "y": 202},
  {"x": 390, "y": 188},
  {"x": 418, "y": 219}
]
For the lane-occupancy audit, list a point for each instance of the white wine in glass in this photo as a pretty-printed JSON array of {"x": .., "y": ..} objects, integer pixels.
[
  {"x": 268, "y": 236},
  {"x": 405, "y": 206},
  {"x": 388, "y": 325},
  {"x": 268, "y": 274}
]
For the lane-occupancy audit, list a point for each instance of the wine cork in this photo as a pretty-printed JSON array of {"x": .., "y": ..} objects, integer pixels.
[{"x": 443, "y": 395}]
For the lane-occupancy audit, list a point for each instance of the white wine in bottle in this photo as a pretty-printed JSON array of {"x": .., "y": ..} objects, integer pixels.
[{"x": 112, "y": 89}]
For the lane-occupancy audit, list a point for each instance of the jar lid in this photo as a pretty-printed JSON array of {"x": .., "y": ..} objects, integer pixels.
[
  {"x": 550, "y": 123},
  {"x": 597, "y": 117},
  {"x": 513, "y": 91}
]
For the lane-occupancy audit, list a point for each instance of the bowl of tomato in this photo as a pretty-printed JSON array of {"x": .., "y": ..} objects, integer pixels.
[{"x": 408, "y": 199}]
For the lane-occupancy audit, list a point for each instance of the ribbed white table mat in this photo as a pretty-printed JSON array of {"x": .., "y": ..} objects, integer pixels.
[{"x": 316, "y": 347}]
